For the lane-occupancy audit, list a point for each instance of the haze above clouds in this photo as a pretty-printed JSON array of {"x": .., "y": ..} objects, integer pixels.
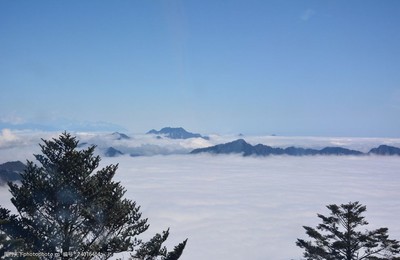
[{"x": 21, "y": 145}]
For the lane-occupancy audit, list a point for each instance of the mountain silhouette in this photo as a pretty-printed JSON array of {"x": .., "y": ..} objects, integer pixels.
[
  {"x": 240, "y": 146},
  {"x": 385, "y": 150},
  {"x": 10, "y": 171},
  {"x": 176, "y": 133}
]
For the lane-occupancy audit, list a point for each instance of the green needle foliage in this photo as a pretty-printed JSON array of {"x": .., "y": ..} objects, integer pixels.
[
  {"x": 153, "y": 249},
  {"x": 65, "y": 206},
  {"x": 338, "y": 237}
]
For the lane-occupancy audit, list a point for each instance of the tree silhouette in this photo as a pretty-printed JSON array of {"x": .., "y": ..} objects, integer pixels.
[
  {"x": 338, "y": 237},
  {"x": 66, "y": 208}
]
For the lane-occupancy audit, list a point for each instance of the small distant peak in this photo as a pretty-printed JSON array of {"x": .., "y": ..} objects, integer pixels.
[
  {"x": 239, "y": 141},
  {"x": 112, "y": 152},
  {"x": 385, "y": 150},
  {"x": 120, "y": 136},
  {"x": 176, "y": 133},
  {"x": 11, "y": 171},
  {"x": 167, "y": 129},
  {"x": 13, "y": 166},
  {"x": 338, "y": 151},
  {"x": 152, "y": 131}
]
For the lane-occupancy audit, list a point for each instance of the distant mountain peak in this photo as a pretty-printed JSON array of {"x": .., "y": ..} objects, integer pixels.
[
  {"x": 176, "y": 133},
  {"x": 112, "y": 152},
  {"x": 120, "y": 136},
  {"x": 239, "y": 143},
  {"x": 237, "y": 146},
  {"x": 339, "y": 151},
  {"x": 385, "y": 150},
  {"x": 10, "y": 171},
  {"x": 240, "y": 146},
  {"x": 17, "y": 166}
]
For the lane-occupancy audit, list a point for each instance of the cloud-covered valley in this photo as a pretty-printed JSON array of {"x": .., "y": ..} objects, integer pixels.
[
  {"x": 20, "y": 145},
  {"x": 234, "y": 207}
]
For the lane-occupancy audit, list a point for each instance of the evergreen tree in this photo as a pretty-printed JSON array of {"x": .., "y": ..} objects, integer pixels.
[
  {"x": 11, "y": 234},
  {"x": 153, "y": 249},
  {"x": 338, "y": 237},
  {"x": 66, "y": 208}
]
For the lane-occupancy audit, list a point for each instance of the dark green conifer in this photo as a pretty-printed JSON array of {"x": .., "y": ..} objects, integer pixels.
[
  {"x": 339, "y": 237},
  {"x": 11, "y": 234},
  {"x": 65, "y": 207},
  {"x": 153, "y": 249}
]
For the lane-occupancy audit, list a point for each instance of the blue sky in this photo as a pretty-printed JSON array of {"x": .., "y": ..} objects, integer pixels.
[{"x": 327, "y": 68}]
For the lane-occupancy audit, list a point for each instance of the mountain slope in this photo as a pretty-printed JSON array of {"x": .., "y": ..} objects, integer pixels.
[
  {"x": 120, "y": 136},
  {"x": 10, "y": 171},
  {"x": 176, "y": 133},
  {"x": 112, "y": 152},
  {"x": 238, "y": 146},
  {"x": 241, "y": 146},
  {"x": 385, "y": 150}
]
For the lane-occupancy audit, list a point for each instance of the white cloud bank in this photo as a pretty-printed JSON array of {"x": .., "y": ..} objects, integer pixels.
[
  {"x": 7, "y": 136},
  {"x": 20, "y": 145},
  {"x": 238, "y": 208}
]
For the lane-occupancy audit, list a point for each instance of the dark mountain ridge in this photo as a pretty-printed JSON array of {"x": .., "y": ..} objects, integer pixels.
[
  {"x": 385, "y": 150},
  {"x": 176, "y": 133},
  {"x": 112, "y": 152},
  {"x": 10, "y": 171},
  {"x": 240, "y": 146},
  {"x": 120, "y": 136}
]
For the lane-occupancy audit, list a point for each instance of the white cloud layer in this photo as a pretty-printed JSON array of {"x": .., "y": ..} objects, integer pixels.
[
  {"x": 237, "y": 208},
  {"x": 232, "y": 207},
  {"x": 12, "y": 119},
  {"x": 7, "y": 136},
  {"x": 20, "y": 145}
]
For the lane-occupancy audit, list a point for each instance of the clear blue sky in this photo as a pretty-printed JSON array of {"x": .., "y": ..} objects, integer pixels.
[{"x": 258, "y": 67}]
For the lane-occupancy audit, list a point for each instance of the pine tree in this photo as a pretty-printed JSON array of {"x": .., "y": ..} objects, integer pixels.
[
  {"x": 152, "y": 249},
  {"x": 11, "y": 240},
  {"x": 66, "y": 208},
  {"x": 338, "y": 237}
]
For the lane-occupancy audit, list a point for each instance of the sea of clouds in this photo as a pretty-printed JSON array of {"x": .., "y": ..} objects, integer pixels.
[
  {"x": 234, "y": 207},
  {"x": 20, "y": 145}
]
